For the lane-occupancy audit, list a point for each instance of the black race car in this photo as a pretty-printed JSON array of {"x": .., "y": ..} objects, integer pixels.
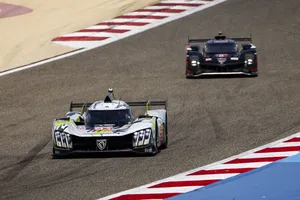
[{"x": 221, "y": 56}]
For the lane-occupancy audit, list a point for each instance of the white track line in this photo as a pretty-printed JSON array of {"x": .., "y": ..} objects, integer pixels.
[
  {"x": 92, "y": 34},
  {"x": 150, "y": 14},
  {"x": 269, "y": 155},
  {"x": 166, "y": 190},
  {"x": 121, "y": 27},
  {"x": 203, "y": 177},
  {"x": 288, "y": 144}
]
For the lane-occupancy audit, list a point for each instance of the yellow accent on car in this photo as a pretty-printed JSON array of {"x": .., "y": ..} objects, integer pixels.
[
  {"x": 147, "y": 106},
  {"x": 78, "y": 119},
  {"x": 102, "y": 131},
  {"x": 62, "y": 122}
]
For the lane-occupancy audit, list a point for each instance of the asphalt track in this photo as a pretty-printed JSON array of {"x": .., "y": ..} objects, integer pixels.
[{"x": 209, "y": 119}]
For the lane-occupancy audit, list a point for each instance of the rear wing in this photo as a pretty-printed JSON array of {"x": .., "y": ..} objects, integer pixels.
[
  {"x": 241, "y": 39},
  {"x": 148, "y": 103},
  {"x": 79, "y": 105},
  {"x": 130, "y": 103}
]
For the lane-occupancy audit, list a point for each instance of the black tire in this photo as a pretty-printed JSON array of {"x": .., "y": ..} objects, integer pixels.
[
  {"x": 254, "y": 74},
  {"x": 58, "y": 156},
  {"x": 54, "y": 156},
  {"x": 188, "y": 76}
]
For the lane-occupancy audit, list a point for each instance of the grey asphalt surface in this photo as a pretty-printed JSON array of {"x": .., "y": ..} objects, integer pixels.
[{"x": 209, "y": 119}]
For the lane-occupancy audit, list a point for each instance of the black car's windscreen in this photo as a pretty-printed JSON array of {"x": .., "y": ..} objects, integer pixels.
[
  {"x": 220, "y": 48},
  {"x": 118, "y": 117}
]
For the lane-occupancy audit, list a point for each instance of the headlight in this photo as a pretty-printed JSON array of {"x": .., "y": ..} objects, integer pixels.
[
  {"x": 141, "y": 137},
  {"x": 250, "y": 61},
  {"x": 63, "y": 139}
]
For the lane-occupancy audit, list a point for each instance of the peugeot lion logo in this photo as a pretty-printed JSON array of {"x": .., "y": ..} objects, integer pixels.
[
  {"x": 101, "y": 144},
  {"x": 221, "y": 60}
]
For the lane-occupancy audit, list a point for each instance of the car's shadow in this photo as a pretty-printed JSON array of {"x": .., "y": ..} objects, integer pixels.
[
  {"x": 102, "y": 155},
  {"x": 222, "y": 76}
]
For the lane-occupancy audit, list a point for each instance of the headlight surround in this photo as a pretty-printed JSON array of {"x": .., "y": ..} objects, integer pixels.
[
  {"x": 141, "y": 137},
  {"x": 63, "y": 139}
]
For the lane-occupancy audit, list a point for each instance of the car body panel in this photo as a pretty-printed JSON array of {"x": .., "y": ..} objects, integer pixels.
[
  {"x": 216, "y": 59},
  {"x": 146, "y": 133}
]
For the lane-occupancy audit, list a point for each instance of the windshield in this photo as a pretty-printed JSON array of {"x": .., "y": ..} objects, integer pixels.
[
  {"x": 220, "y": 48},
  {"x": 118, "y": 117}
]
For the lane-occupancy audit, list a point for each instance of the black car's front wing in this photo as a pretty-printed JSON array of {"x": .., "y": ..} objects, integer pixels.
[{"x": 234, "y": 68}]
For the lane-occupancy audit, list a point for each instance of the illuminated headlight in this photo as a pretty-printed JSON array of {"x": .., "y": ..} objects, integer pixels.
[
  {"x": 141, "y": 137},
  {"x": 194, "y": 63},
  {"x": 63, "y": 139},
  {"x": 250, "y": 61}
]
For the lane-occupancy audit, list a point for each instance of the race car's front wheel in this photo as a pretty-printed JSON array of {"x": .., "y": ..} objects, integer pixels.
[{"x": 59, "y": 154}]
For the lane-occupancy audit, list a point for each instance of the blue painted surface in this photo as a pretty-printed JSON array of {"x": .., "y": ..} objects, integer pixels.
[
  {"x": 277, "y": 181},
  {"x": 295, "y": 158}
]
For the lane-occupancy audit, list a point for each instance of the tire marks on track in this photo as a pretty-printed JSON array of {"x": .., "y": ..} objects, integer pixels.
[
  {"x": 217, "y": 127},
  {"x": 47, "y": 181},
  {"x": 18, "y": 167}
]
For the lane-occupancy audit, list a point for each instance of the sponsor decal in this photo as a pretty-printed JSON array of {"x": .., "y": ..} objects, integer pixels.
[
  {"x": 220, "y": 41},
  {"x": 101, "y": 144},
  {"x": 221, "y": 55},
  {"x": 102, "y": 129}
]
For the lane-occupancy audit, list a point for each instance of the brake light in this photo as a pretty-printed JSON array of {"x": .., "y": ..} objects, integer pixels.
[
  {"x": 187, "y": 61},
  {"x": 255, "y": 59},
  {"x": 188, "y": 71},
  {"x": 254, "y": 69}
]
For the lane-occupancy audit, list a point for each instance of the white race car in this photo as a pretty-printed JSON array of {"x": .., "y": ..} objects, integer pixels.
[{"x": 109, "y": 126}]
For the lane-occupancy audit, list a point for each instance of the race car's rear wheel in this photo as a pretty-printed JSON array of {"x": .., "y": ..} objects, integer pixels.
[{"x": 254, "y": 74}]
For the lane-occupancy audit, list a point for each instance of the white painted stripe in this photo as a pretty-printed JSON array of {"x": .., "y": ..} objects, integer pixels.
[
  {"x": 203, "y": 177},
  {"x": 288, "y": 144},
  {"x": 122, "y": 27},
  {"x": 91, "y": 34},
  {"x": 272, "y": 154},
  {"x": 216, "y": 165},
  {"x": 157, "y": 7},
  {"x": 80, "y": 44},
  {"x": 150, "y": 14},
  {"x": 241, "y": 165},
  {"x": 183, "y": 7},
  {"x": 186, "y": 2},
  {"x": 164, "y": 190},
  {"x": 134, "y": 20},
  {"x": 170, "y": 7}
]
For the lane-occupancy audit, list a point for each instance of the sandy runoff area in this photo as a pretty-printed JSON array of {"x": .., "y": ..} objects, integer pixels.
[{"x": 27, "y": 30}]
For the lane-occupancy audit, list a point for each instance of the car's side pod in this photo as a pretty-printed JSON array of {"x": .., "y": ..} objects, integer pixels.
[
  {"x": 248, "y": 46},
  {"x": 192, "y": 48}
]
